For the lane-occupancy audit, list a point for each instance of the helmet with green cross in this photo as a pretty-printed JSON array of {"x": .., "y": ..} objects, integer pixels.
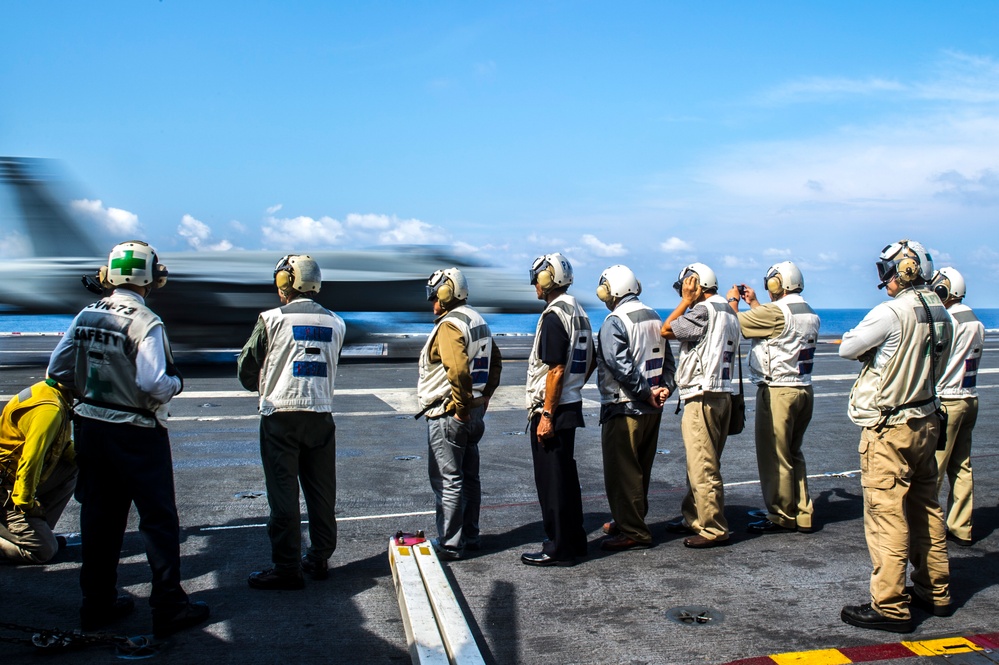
[{"x": 135, "y": 262}]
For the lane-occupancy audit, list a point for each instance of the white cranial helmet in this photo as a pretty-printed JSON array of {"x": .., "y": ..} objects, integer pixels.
[
  {"x": 784, "y": 276},
  {"x": 617, "y": 282},
  {"x": 908, "y": 259},
  {"x": 135, "y": 262},
  {"x": 551, "y": 271},
  {"x": 705, "y": 276},
  {"x": 447, "y": 286},
  {"x": 299, "y": 272},
  {"x": 949, "y": 283}
]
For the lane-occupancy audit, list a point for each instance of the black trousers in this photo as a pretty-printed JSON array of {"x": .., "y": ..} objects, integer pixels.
[
  {"x": 121, "y": 464},
  {"x": 557, "y": 480},
  {"x": 299, "y": 446}
]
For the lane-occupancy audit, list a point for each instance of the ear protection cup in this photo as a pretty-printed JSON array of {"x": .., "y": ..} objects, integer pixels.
[
  {"x": 908, "y": 270},
  {"x": 283, "y": 280},
  {"x": 546, "y": 280},
  {"x": 942, "y": 289},
  {"x": 604, "y": 293},
  {"x": 445, "y": 294},
  {"x": 102, "y": 275},
  {"x": 160, "y": 274},
  {"x": 775, "y": 284}
]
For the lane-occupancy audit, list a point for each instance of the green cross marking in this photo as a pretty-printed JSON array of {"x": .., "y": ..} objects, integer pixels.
[
  {"x": 97, "y": 387},
  {"x": 127, "y": 263}
]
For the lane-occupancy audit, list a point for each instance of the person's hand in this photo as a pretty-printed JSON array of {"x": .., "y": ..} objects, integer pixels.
[
  {"x": 546, "y": 428},
  {"x": 691, "y": 289},
  {"x": 658, "y": 397},
  {"x": 749, "y": 295}
]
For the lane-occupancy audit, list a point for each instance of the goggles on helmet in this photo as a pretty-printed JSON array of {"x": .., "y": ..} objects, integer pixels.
[
  {"x": 678, "y": 284},
  {"x": 539, "y": 265},
  {"x": 888, "y": 261},
  {"x": 434, "y": 283},
  {"x": 283, "y": 264}
]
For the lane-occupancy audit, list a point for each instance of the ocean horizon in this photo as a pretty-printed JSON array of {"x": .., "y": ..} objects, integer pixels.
[{"x": 835, "y": 322}]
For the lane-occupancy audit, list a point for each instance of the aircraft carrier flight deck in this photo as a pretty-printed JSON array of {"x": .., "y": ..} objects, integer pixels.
[{"x": 762, "y": 595}]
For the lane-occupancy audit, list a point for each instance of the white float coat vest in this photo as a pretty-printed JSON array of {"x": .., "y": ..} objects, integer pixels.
[
  {"x": 303, "y": 346},
  {"x": 106, "y": 339},
  {"x": 706, "y": 366},
  {"x": 902, "y": 389},
  {"x": 786, "y": 360},
  {"x": 960, "y": 379},
  {"x": 433, "y": 385},
  {"x": 572, "y": 316},
  {"x": 648, "y": 349}
]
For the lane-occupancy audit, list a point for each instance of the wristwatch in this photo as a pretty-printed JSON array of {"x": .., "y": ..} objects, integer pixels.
[{"x": 546, "y": 414}]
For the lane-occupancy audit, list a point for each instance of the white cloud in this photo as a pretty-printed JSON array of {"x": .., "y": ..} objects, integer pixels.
[
  {"x": 198, "y": 233},
  {"x": 809, "y": 88},
  {"x": 674, "y": 244},
  {"x": 368, "y": 221},
  {"x": 357, "y": 230},
  {"x": 774, "y": 252},
  {"x": 302, "y": 232},
  {"x": 600, "y": 248},
  {"x": 411, "y": 232},
  {"x": 274, "y": 208},
  {"x": 963, "y": 78},
  {"x": 115, "y": 220}
]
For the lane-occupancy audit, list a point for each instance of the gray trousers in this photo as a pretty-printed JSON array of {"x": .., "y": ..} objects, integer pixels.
[
  {"x": 453, "y": 466},
  {"x": 299, "y": 446},
  {"x": 30, "y": 539}
]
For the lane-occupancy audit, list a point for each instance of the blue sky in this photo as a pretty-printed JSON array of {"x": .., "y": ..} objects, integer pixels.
[{"x": 652, "y": 134}]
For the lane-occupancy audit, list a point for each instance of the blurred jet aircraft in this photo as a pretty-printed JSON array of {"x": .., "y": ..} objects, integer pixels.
[{"x": 213, "y": 298}]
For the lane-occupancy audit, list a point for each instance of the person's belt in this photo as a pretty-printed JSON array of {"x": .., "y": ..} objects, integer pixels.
[
  {"x": 889, "y": 412},
  {"x": 118, "y": 407}
]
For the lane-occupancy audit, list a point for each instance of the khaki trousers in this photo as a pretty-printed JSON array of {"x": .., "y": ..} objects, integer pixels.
[
  {"x": 629, "y": 450},
  {"x": 955, "y": 462},
  {"x": 782, "y": 416},
  {"x": 902, "y": 519},
  {"x": 705, "y": 427}
]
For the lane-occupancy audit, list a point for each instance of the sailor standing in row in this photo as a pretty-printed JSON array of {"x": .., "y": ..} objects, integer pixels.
[
  {"x": 559, "y": 363},
  {"x": 459, "y": 371},
  {"x": 291, "y": 360},
  {"x": 903, "y": 345},
  {"x": 117, "y": 360},
  {"x": 635, "y": 370},
  {"x": 784, "y": 333},
  {"x": 958, "y": 390},
  {"x": 708, "y": 333}
]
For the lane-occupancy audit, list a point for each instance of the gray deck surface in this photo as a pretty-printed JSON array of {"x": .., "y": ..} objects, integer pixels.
[{"x": 774, "y": 593}]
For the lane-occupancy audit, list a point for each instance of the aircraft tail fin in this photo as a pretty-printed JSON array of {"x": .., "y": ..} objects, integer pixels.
[{"x": 49, "y": 226}]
